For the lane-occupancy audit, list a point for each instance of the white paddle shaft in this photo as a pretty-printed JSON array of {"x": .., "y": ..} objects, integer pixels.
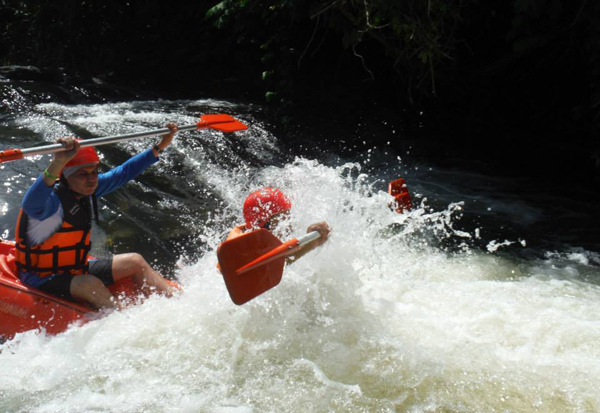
[
  {"x": 57, "y": 147},
  {"x": 305, "y": 239}
]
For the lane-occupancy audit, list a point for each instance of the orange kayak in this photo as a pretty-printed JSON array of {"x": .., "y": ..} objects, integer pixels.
[{"x": 24, "y": 308}]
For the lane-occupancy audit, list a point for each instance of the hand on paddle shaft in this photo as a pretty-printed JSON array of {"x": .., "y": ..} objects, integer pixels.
[
  {"x": 60, "y": 159},
  {"x": 323, "y": 229},
  {"x": 166, "y": 139}
]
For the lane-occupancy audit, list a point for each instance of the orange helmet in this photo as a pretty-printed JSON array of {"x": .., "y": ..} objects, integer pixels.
[
  {"x": 261, "y": 205},
  {"x": 85, "y": 157}
]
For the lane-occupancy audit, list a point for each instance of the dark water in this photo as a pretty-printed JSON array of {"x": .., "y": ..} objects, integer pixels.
[{"x": 510, "y": 197}]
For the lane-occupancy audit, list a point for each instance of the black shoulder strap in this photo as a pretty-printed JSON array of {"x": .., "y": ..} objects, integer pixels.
[{"x": 77, "y": 212}]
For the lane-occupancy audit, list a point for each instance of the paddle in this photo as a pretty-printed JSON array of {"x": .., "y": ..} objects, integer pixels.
[
  {"x": 253, "y": 262},
  {"x": 399, "y": 191},
  {"x": 220, "y": 122}
]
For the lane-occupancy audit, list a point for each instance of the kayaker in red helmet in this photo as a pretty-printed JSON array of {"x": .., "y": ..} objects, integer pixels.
[
  {"x": 55, "y": 221},
  {"x": 269, "y": 208}
]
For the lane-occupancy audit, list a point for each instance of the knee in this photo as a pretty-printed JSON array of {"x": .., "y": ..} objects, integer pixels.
[
  {"x": 136, "y": 262},
  {"x": 127, "y": 265}
]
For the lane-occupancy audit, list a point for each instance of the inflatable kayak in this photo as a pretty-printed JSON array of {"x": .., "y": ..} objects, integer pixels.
[{"x": 24, "y": 308}]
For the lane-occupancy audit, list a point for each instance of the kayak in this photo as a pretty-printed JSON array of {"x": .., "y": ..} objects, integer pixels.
[{"x": 23, "y": 308}]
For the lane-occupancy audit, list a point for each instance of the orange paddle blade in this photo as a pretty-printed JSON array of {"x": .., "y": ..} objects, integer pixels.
[
  {"x": 236, "y": 253},
  {"x": 221, "y": 122},
  {"x": 399, "y": 191}
]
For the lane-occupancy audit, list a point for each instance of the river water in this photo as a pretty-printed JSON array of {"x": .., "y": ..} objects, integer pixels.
[{"x": 469, "y": 303}]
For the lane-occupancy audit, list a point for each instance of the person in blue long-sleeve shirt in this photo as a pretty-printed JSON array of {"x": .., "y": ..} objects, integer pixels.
[{"x": 54, "y": 225}]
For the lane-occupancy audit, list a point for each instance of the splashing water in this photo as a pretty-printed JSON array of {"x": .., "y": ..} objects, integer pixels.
[{"x": 382, "y": 318}]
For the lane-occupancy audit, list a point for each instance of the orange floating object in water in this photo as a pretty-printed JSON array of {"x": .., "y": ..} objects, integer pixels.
[{"x": 399, "y": 191}]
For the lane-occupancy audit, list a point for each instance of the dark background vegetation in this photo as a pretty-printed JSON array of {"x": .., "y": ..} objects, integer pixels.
[{"x": 513, "y": 83}]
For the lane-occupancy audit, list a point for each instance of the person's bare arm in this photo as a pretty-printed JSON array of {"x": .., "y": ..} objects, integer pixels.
[{"x": 323, "y": 229}]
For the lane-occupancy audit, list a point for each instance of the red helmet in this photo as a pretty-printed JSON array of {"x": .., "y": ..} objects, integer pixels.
[
  {"x": 261, "y": 205},
  {"x": 86, "y": 156}
]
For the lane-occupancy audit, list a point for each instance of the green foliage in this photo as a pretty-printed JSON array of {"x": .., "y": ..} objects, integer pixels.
[
  {"x": 297, "y": 52},
  {"x": 270, "y": 96},
  {"x": 298, "y": 38}
]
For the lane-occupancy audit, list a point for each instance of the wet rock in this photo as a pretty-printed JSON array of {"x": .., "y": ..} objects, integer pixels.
[{"x": 30, "y": 73}]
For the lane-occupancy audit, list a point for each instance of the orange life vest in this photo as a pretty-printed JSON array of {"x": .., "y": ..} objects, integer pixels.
[
  {"x": 64, "y": 251},
  {"x": 234, "y": 233}
]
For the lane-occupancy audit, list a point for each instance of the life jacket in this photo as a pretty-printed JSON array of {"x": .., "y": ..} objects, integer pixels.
[
  {"x": 64, "y": 251},
  {"x": 234, "y": 233}
]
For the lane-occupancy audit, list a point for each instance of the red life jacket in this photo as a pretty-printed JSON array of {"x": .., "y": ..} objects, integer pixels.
[{"x": 64, "y": 251}]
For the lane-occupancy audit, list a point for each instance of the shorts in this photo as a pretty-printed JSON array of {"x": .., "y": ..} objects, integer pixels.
[{"x": 60, "y": 284}]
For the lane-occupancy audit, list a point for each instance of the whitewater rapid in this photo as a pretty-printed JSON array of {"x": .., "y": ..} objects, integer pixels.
[{"x": 384, "y": 317}]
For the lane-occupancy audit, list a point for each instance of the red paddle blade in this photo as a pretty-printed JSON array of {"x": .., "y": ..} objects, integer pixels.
[
  {"x": 399, "y": 191},
  {"x": 236, "y": 253},
  {"x": 221, "y": 122}
]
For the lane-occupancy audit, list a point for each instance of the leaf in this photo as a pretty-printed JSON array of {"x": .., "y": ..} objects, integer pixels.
[
  {"x": 217, "y": 10},
  {"x": 269, "y": 96},
  {"x": 267, "y": 58}
]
